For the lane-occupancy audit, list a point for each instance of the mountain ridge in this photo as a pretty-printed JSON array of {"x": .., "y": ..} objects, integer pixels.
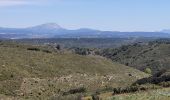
[
  {"x": 53, "y": 30},
  {"x": 47, "y": 26},
  {"x": 166, "y": 30}
]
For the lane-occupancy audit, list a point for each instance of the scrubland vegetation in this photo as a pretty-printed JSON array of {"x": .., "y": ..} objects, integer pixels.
[
  {"x": 29, "y": 71},
  {"x": 137, "y": 71}
]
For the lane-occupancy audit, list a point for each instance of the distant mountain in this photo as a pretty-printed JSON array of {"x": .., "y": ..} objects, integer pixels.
[
  {"x": 52, "y": 30},
  {"x": 46, "y": 28},
  {"x": 166, "y": 31},
  {"x": 41, "y": 31}
]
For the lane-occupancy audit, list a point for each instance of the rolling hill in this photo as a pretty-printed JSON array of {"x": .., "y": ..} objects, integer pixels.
[
  {"x": 38, "y": 72},
  {"x": 153, "y": 55},
  {"x": 166, "y": 31}
]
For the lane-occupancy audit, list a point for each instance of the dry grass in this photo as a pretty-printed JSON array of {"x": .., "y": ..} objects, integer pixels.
[
  {"x": 38, "y": 75},
  {"x": 160, "y": 94}
]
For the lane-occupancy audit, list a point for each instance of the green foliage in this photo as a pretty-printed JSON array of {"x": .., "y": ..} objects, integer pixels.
[
  {"x": 148, "y": 71},
  {"x": 82, "y": 51}
]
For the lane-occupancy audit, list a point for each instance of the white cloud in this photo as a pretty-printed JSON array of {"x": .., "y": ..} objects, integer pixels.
[
  {"x": 8, "y": 3},
  {"x": 4, "y": 3}
]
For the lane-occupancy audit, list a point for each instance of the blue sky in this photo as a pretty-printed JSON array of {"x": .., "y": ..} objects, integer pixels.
[{"x": 115, "y": 15}]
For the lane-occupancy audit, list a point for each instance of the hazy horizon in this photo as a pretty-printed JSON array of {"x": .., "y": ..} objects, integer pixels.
[
  {"x": 37, "y": 25},
  {"x": 110, "y": 15}
]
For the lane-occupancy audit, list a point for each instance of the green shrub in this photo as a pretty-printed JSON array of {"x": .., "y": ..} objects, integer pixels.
[
  {"x": 148, "y": 71},
  {"x": 82, "y": 51}
]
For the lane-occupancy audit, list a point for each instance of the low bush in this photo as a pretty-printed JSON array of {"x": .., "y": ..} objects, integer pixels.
[
  {"x": 95, "y": 97},
  {"x": 82, "y": 51},
  {"x": 74, "y": 91},
  {"x": 164, "y": 84},
  {"x": 33, "y": 49},
  {"x": 125, "y": 90},
  {"x": 148, "y": 71},
  {"x": 47, "y": 51}
]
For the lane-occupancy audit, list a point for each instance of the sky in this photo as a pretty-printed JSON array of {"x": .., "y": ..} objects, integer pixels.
[{"x": 111, "y": 15}]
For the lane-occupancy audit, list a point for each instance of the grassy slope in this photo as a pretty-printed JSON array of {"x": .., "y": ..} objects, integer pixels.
[
  {"x": 160, "y": 94},
  {"x": 36, "y": 74}
]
